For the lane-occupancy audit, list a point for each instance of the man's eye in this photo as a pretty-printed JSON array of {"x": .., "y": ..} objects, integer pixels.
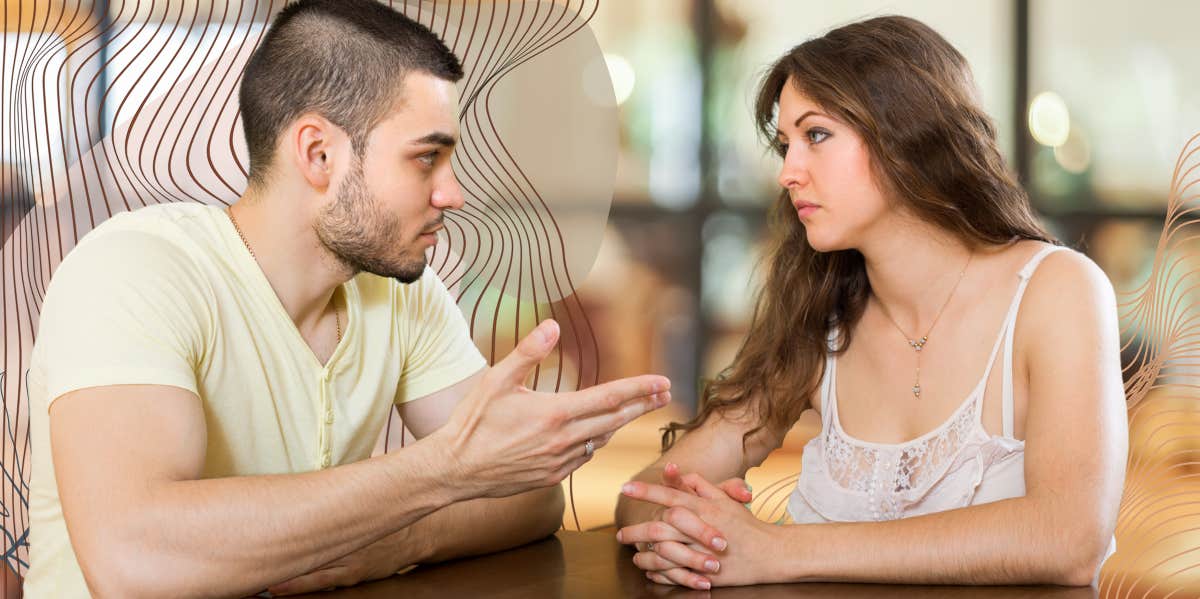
[{"x": 428, "y": 159}]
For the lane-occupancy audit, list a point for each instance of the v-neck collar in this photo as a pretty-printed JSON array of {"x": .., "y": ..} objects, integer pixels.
[{"x": 247, "y": 265}]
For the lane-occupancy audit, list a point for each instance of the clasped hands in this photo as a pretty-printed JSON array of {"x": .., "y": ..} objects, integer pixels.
[{"x": 701, "y": 536}]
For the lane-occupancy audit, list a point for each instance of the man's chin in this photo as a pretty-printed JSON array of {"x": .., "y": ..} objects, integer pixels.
[
  {"x": 408, "y": 278},
  {"x": 404, "y": 272},
  {"x": 409, "y": 273}
]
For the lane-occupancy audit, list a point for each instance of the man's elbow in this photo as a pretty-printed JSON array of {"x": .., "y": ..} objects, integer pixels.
[
  {"x": 112, "y": 573},
  {"x": 124, "y": 568}
]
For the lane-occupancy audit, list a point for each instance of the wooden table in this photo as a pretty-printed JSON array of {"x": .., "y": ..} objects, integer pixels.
[{"x": 591, "y": 564}]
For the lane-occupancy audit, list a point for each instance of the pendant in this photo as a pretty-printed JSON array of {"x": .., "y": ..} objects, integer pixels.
[
  {"x": 916, "y": 391},
  {"x": 917, "y": 345}
]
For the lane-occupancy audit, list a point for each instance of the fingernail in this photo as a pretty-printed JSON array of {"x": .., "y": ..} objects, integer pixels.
[
  {"x": 627, "y": 488},
  {"x": 619, "y": 536},
  {"x": 719, "y": 544},
  {"x": 706, "y": 585},
  {"x": 749, "y": 489},
  {"x": 712, "y": 566}
]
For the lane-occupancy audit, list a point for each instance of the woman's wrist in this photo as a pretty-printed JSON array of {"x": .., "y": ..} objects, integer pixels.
[{"x": 790, "y": 555}]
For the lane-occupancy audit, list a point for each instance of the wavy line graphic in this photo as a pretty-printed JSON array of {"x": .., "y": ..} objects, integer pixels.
[{"x": 1158, "y": 529}]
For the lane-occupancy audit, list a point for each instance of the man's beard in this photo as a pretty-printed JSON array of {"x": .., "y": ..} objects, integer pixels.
[{"x": 361, "y": 235}]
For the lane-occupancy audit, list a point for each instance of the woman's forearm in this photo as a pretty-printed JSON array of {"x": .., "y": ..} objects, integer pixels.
[{"x": 1013, "y": 541}]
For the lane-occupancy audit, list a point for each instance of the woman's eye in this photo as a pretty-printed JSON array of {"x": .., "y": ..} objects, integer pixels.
[
  {"x": 816, "y": 136},
  {"x": 783, "y": 149}
]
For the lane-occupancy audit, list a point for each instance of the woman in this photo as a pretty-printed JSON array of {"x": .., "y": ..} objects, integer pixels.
[{"x": 960, "y": 443}]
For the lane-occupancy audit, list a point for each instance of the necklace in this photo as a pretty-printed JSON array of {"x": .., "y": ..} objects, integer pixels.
[
  {"x": 919, "y": 344},
  {"x": 337, "y": 321}
]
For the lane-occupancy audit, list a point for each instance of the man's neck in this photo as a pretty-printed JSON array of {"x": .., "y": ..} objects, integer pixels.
[{"x": 301, "y": 271}]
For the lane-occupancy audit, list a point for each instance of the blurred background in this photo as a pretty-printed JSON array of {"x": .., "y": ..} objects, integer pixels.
[{"x": 1093, "y": 99}]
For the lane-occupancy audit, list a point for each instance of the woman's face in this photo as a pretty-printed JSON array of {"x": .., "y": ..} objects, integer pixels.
[{"x": 827, "y": 174}]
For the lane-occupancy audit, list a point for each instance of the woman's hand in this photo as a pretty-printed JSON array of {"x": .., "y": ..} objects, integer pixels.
[
  {"x": 699, "y": 506},
  {"x": 675, "y": 539}
]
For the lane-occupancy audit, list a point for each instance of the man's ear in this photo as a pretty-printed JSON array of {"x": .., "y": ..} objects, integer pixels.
[{"x": 314, "y": 145}]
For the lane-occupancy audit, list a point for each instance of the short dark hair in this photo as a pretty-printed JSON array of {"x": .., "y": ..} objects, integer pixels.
[{"x": 343, "y": 59}]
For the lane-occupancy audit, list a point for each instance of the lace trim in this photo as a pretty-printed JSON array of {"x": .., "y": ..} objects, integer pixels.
[{"x": 884, "y": 471}]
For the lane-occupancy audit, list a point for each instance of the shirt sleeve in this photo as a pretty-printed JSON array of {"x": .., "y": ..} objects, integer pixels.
[
  {"x": 439, "y": 351},
  {"x": 122, "y": 309}
]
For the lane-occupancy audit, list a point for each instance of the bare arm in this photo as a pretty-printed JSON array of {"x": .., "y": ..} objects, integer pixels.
[{"x": 141, "y": 522}]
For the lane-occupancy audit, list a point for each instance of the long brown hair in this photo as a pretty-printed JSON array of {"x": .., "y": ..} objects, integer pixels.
[{"x": 910, "y": 96}]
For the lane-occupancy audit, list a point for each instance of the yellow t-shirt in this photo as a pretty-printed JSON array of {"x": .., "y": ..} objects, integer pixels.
[{"x": 169, "y": 295}]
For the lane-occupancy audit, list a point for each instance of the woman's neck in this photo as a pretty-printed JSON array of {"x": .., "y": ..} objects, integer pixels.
[{"x": 912, "y": 269}]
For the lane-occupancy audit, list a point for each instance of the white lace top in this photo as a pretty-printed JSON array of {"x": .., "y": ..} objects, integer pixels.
[{"x": 955, "y": 465}]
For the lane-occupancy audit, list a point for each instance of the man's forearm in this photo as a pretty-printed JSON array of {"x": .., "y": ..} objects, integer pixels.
[
  {"x": 486, "y": 525},
  {"x": 238, "y": 535}
]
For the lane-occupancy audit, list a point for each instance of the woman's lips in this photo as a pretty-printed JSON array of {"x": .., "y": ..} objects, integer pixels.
[{"x": 803, "y": 209}]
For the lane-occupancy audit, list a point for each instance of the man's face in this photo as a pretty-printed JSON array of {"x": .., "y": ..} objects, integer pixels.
[{"x": 389, "y": 205}]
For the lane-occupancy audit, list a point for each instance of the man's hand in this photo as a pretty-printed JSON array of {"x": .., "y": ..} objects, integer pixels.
[
  {"x": 679, "y": 546},
  {"x": 505, "y": 438}
]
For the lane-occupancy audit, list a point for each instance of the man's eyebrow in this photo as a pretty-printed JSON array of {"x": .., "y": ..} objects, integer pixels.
[{"x": 436, "y": 138}]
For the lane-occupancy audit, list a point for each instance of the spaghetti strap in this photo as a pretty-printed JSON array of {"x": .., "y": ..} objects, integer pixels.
[
  {"x": 1010, "y": 324},
  {"x": 826, "y": 385},
  {"x": 827, "y": 381}
]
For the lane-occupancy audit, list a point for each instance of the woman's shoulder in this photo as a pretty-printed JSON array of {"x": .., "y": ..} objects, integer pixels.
[
  {"x": 1067, "y": 293},
  {"x": 1064, "y": 273},
  {"x": 1064, "y": 270}
]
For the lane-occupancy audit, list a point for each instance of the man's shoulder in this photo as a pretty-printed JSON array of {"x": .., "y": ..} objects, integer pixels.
[
  {"x": 169, "y": 220},
  {"x": 148, "y": 235},
  {"x": 148, "y": 248}
]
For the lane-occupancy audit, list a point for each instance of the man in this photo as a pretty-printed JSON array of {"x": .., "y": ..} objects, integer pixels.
[{"x": 207, "y": 386}]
